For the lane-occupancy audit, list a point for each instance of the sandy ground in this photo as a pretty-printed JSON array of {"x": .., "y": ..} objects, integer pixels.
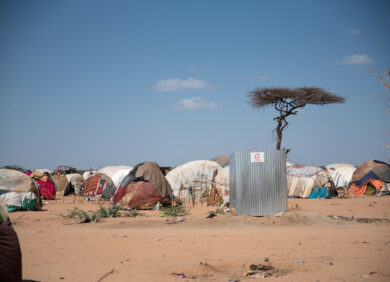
[{"x": 338, "y": 240}]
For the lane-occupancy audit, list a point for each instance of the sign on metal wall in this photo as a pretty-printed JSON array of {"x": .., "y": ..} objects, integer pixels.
[{"x": 258, "y": 182}]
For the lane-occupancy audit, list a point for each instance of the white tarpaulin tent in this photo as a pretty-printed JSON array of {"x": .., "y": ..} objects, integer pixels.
[
  {"x": 116, "y": 173},
  {"x": 341, "y": 173},
  {"x": 195, "y": 176}
]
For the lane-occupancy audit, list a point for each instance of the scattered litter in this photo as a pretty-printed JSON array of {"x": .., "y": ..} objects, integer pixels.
[
  {"x": 211, "y": 215},
  {"x": 372, "y": 272},
  {"x": 262, "y": 271},
  {"x": 180, "y": 219},
  {"x": 261, "y": 267},
  {"x": 182, "y": 275},
  {"x": 158, "y": 239},
  {"x": 300, "y": 261},
  {"x": 335, "y": 217},
  {"x": 266, "y": 259},
  {"x": 233, "y": 280},
  {"x": 279, "y": 214},
  {"x": 364, "y": 276}
]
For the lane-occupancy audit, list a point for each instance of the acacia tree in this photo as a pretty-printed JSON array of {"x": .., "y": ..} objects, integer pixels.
[{"x": 287, "y": 101}]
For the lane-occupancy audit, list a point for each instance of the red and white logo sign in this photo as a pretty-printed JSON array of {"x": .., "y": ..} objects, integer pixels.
[{"x": 257, "y": 157}]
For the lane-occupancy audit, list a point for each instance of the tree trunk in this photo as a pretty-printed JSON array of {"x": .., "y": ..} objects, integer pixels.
[{"x": 279, "y": 133}]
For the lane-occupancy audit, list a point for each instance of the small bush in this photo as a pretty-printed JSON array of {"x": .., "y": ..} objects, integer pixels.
[
  {"x": 173, "y": 211},
  {"x": 95, "y": 216}
]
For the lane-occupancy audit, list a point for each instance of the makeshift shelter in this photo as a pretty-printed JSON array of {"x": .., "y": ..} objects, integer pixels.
[
  {"x": 146, "y": 184},
  {"x": 341, "y": 173},
  {"x": 193, "y": 180},
  {"x": 99, "y": 185},
  {"x": 75, "y": 184},
  {"x": 223, "y": 160},
  {"x": 140, "y": 195},
  {"x": 222, "y": 183},
  {"x": 46, "y": 184},
  {"x": 60, "y": 181},
  {"x": 369, "y": 177},
  {"x": 117, "y": 173},
  {"x": 18, "y": 191},
  {"x": 302, "y": 180}
]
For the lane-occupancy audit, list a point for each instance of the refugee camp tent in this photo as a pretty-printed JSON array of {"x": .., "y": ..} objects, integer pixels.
[
  {"x": 46, "y": 184},
  {"x": 223, "y": 160},
  {"x": 117, "y": 173},
  {"x": 75, "y": 184},
  {"x": 222, "y": 183},
  {"x": 369, "y": 178},
  {"x": 140, "y": 195},
  {"x": 143, "y": 186},
  {"x": 341, "y": 173},
  {"x": 302, "y": 180},
  {"x": 61, "y": 181},
  {"x": 99, "y": 185},
  {"x": 18, "y": 191},
  {"x": 193, "y": 180}
]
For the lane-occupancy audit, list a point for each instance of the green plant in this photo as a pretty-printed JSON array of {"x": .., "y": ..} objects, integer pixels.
[
  {"x": 95, "y": 216},
  {"x": 173, "y": 211}
]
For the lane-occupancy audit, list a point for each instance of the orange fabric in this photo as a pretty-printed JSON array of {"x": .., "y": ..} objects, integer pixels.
[{"x": 361, "y": 190}]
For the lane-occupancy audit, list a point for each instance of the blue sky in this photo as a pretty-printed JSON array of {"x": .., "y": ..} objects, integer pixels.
[{"x": 96, "y": 83}]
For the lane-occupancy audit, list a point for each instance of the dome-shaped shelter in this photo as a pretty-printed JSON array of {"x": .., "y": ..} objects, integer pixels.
[
  {"x": 143, "y": 187},
  {"x": 18, "y": 191},
  {"x": 341, "y": 173},
  {"x": 193, "y": 180}
]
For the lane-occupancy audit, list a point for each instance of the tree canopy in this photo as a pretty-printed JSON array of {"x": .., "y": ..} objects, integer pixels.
[{"x": 286, "y": 101}]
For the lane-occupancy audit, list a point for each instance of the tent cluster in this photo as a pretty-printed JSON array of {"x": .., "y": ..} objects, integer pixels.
[{"x": 205, "y": 181}]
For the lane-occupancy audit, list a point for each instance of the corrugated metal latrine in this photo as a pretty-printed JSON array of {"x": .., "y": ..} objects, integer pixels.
[{"x": 258, "y": 182}]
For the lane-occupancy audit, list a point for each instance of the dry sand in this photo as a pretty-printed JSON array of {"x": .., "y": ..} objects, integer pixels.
[{"x": 328, "y": 235}]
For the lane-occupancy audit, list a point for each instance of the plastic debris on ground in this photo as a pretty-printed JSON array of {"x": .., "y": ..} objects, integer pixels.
[
  {"x": 263, "y": 271},
  {"x": 182, "y": 275}
]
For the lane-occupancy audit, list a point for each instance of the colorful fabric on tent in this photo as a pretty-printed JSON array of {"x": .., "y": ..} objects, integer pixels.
[
  {"x": 361, "y": 190},
  {"x": 46, "y": 188},
  {"x": 370, "y": 175},
  {"x": 319, "y": 193},
  {"x": 137, "y": 194},
  {"x": 364, "y": 168},
  {"x": 99, "y": 185}
]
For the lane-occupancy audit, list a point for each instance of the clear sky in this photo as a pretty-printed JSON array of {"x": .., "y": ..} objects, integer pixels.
[{"x": 97, "y": 83}]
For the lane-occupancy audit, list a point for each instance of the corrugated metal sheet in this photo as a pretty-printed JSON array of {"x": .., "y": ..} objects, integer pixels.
[{"x": 258, "y": 189}]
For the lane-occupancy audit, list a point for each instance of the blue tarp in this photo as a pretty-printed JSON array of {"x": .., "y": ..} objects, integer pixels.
[
  {"x": 364, "y": 179},
  {"x": 318, "y": 193}
]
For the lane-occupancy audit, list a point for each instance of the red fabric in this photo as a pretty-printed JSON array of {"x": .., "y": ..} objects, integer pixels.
[
  {"x": 119, "y": 193},
  {"x": 144, "y": 193},
  {"x": 91, "y": 185},
  {"x": 46, "y": 188}
]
